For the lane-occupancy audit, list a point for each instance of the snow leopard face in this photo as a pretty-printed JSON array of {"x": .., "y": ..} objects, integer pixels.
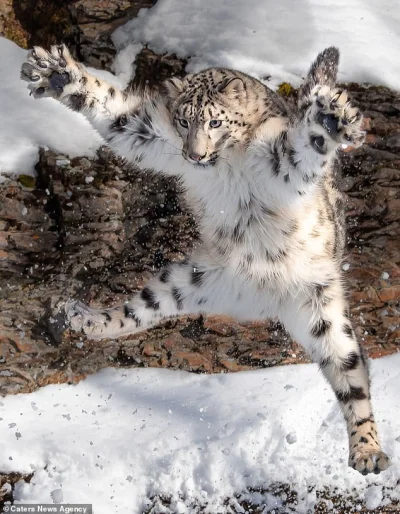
[{"x": 210, "y": 111}]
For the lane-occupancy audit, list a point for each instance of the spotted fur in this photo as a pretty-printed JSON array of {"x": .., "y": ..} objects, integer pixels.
[{"x": 260, "y": 177}]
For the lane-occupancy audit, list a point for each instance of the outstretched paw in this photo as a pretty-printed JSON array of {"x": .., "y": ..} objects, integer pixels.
[
  {"x": 333, "y": 111},
  {"x": 49, "y": 73},
  {"x": 372, "y": 461},
  {"x": 82, "y": 318}
]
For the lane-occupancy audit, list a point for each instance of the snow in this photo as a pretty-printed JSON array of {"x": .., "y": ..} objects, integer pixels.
[
  {"x": 27, "y": 124},
  {"x": 123, "y": 65},
  {"x": 121, "y": 437},
  {"x": 373, "y": 497},
  {"x": 274, "y": 39}
]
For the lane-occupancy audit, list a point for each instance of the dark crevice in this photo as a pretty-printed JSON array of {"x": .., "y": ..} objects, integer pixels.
[{"x": 53, "y": 205}]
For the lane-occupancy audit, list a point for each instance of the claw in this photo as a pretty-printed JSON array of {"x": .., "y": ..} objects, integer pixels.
[
  {"x": 26, "y": 71},
  {"x": 370, "y": 463}
]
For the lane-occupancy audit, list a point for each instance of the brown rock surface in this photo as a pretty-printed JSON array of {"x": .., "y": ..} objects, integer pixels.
[
  {"x": 85, "y": 25},
  {"x": 98, "y": 239},
  {"x": 10, "y": 27},
  {"x": 96, "y": 21},
  {"x": 93, "y": 229}
]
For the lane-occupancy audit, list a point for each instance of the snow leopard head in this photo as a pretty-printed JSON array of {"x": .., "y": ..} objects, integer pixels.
[{"x": 214, "y": 110}]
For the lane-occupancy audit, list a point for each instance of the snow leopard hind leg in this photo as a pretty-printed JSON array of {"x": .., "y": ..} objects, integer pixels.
[
  {"x": 191, "y": 287},
  {"x": 318, "y": 319}
]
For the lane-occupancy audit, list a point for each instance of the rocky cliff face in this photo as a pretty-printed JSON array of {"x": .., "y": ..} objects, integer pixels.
[
  {"x": 94, "y": 229},
  {"x": 85, "y": 25}
]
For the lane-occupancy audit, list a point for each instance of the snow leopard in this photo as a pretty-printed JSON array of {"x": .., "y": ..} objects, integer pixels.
[{"x": 261, "y": 179}]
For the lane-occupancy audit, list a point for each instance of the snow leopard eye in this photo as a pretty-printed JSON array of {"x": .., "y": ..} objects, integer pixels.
[
  {"x": 183, "y": 123},
  {"x": 215, "y": 123}
]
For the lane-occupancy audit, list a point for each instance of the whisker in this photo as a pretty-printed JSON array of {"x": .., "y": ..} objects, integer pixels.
[{"x": 173, "y": 146}]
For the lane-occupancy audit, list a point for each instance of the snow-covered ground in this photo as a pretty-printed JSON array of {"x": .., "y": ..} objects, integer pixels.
[
  {"x": 122, "y": 436},
  {"x": 276, "y": 39}
]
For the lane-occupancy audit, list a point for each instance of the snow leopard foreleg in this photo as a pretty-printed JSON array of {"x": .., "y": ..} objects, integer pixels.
[
  {"x": 184, "y": 288},
  {"x": 57, "y": 75},
  {"x": 318, "y": 320},
  {"x": 299, "y": 151},
  {"x": 325, "y": 120},
  {"x": 324, "y": 123},
  {"x": 135, "y": 127}
]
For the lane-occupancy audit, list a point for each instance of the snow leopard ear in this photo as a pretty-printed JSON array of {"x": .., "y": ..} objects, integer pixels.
[
  {"x": 323, "y": 72},
  {"x": 233, "y": 87},
  {"x": 173, "y": 88}
]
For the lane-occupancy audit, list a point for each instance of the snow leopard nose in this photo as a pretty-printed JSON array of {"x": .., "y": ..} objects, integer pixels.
[{"x": 196, "y": 157}]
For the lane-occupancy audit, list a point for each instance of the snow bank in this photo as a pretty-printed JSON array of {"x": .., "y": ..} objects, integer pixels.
[
  {"x": 122, "y": 436},
  {"x": 26, "y": 124},
  {"x": 275, "y": 39}
]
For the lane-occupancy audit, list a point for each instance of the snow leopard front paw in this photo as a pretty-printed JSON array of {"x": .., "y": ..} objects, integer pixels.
[
  {"x": 342, "y": 122},
  {"x": 50, "y": 73}
]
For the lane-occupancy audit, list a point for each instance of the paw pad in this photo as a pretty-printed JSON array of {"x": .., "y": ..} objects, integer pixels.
[
  {"x": 47, "y": 73},
  {"x": 57, "y": 81},
  {"x": 329, "y": 122},
  {"x": 334, "y": 113},
  {"x": 371, "y": 462}
]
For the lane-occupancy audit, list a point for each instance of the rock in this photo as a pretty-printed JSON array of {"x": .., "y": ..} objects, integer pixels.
[
  {"x": 10, "y": 27},
  {"x": 291, "y": 437},
  {"x": 98, "y": 240},
  {"x": 152, "y": 69},
  {"x": 84, "y": 25},
  {"x": 193, "y": 361},
  {"x": 8, "y": 482},
  {"x": 97, "y": 21},
  {"x": 44, "y": 22},
  {"x": 230, "y": 364},
  {"x": 389, "y": 294}
]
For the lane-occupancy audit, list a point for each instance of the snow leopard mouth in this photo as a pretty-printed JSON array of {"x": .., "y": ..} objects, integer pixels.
[{"x": 206, "y": 164}]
